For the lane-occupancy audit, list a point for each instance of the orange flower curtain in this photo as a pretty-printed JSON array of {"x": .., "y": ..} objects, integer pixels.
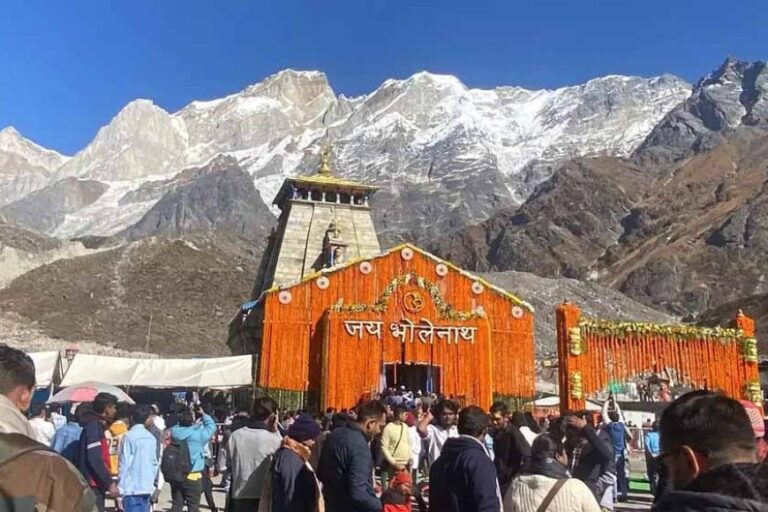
[
  {"x": 595, "y": 353},
  {"x": 359, "y": 343}
]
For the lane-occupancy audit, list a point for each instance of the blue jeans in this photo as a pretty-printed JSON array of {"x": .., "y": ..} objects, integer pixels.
[
  {"x": 136, "y": 503},
  {"x": 622, "y": 483}
]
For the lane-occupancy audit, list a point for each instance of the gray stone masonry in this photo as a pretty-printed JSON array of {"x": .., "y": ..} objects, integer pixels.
[{"x": 300, "y": 239}]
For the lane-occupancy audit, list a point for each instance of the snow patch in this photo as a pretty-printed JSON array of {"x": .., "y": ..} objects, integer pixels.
[
  {"x": 382, "y": 137},
  {"x": 191, "y": 245}
]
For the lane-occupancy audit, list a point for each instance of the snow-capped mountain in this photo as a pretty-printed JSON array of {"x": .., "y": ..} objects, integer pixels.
[
  {"x": 24, "y": 166},
  {"x": 454, "y": 155},
  {"x": 440, "y": 150},
  {"x": 515, "y": 126},
  {"x": 143, "y": 140},
  {"x": 288, "y": 104}
]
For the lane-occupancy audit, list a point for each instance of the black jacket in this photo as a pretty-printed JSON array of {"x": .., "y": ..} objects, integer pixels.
[
  {"x": 511, "y": 452},
  {"x": 346, "y": 471},
  {"x": 463, "y": 478},
  {"x": 738, "y": 487},
  {"x": 595, "y": 459},
  {"x": 293, "y": 484}
]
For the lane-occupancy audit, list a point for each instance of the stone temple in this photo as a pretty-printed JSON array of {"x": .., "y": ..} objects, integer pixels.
[
  {"x": 334, "y": 319},
  {"x": 324, "y": 222}
]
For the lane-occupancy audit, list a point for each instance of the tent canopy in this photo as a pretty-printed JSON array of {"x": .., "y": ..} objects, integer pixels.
[
  {"x": 45, "y": 367},
  {"x": 554, "y": 401},
  {"x": 215, "y": 372}
]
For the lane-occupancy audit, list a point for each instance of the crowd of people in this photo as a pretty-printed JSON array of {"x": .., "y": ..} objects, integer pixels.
[{"x": 707, "y": 452}]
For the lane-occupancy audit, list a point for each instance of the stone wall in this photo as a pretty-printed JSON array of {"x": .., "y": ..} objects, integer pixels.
[{"x": 299, "y": 244}]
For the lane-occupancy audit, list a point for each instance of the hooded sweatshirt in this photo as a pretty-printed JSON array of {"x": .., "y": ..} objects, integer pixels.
[
  {"x": 196, "y": 437},
  {"x": 737, "y": 487},
  {"x": 463, "y": 478},
  {"x": 115, "y": 434}
]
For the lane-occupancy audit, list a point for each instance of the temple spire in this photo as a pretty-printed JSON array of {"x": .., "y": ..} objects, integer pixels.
[{"x": 325, "y": 162}]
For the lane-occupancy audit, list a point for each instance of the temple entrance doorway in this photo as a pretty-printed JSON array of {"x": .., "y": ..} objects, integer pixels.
[{"x": 415, "y": 377}]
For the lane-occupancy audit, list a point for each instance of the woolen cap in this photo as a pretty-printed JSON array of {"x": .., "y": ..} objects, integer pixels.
[
  {"x": 304, "y": 428},
  {"x": 755, "y": 418},
  {"x": 401, "y": 478}
]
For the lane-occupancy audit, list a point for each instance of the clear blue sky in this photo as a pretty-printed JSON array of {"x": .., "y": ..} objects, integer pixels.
[{"x": 68, "y": 66}]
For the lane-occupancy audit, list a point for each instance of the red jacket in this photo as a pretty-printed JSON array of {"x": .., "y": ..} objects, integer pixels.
[
  {"x": 397, "y": 508},
  {"x": 395, "y": 501}
]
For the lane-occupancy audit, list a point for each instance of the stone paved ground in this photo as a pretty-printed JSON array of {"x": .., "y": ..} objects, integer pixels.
[
  {"x": 638, "y": 502},
  {"x": 218, "y": 497},
  {"x": 164, "y": 504}
]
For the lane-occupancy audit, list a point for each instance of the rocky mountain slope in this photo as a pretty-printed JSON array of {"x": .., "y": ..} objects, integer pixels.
[
  {"x": 563, "y": 228},
  {"x": 192, "y": 287},
  {"x": 441, "y": 152},
  {"x": 141, "y": 141},
  {"x": 732, "y": 96},
  {"x": 449, "y": 155},
  {"x": 46, "y": 209},
  {"x": 679, "y": 225},
  {"x": 186, "y": 264},
  {"x": 19, "y": 332},
  {"x": 219, "y": 197},
  {"x": 22, "y": 250},
  {"x": 17, "y": 237},
  {"x": 755, "y": 306},
  {"x": 188, "y": 289},
  {"x": 595, "y": 301},
  {"x": 700, "y": 240}
]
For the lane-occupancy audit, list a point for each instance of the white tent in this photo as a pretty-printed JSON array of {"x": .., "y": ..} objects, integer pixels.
[
  {"x": 215, "y": 372},
  {"x": 554, "y": 401},
  {"x": 45, "y": 367}
]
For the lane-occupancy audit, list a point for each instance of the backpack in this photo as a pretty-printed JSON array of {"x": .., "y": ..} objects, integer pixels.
[{"x": 177, "y": 461}]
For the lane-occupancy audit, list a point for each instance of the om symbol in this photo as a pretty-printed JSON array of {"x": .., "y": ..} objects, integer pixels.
[{"x": 413, "y": 302}]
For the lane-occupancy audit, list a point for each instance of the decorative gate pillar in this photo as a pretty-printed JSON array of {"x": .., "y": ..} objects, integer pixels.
[
  {"x": 569, "y": 351},
  {"x": 752, "y": 390},
  {"x": 581, "y": 343}
]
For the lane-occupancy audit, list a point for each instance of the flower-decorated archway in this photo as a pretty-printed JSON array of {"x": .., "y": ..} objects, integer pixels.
[
  {"x": 592, "y": 353},
  {"x": 410, "y": 323}
]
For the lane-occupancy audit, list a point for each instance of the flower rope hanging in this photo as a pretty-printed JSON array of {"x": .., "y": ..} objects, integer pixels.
[
  {"x": 444, "y": 309},
  {"x": 701, "y": 357}
]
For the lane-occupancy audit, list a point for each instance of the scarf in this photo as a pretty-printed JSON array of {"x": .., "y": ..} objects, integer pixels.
[
  {"x": 303, "y": 452},
  {"x": 551, "y": 468},
  {"x": 300, "y": 449}
]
